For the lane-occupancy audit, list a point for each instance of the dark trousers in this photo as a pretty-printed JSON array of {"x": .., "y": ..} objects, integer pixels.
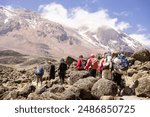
[
  {"x": 118, "y": 80},
  {"x": 62, "y": 77},
  {"x": 92, "y": 72},
  {"x": 52, "y": 75}
]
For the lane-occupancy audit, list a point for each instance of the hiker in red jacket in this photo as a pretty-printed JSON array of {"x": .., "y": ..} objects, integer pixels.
[
  {"x": 92, "y": 65},
  {"x": 79, "y": 65}
]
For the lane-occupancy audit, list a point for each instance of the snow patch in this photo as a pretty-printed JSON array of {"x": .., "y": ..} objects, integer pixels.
[
  {"x": 86, "y": 38},
  {"x": 129, "y": 42},
  {"x": 33, "y": 23},
  {"x": 6, "y": 20}
]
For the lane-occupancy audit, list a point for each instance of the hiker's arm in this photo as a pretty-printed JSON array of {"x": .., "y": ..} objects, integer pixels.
[{"x": 88, "y": 64}]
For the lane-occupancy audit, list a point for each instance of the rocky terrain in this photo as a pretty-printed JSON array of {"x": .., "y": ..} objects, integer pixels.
[{"x": 17, "y": 80}]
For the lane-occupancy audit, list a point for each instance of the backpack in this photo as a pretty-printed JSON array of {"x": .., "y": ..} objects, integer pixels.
[
  {"x": 107, "y": 63},
  {"x": 39, "y": 71},
  {"x": 94, "y": 63},
  {"x": 124, "y": 63}
]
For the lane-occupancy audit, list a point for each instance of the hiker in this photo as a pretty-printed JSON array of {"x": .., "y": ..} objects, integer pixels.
[
  {"x": 107, "y": 66},
  {"x": 100, "y": 65},
  {"x": 80, "y": 63},
  {"x": 120, "y": 66},
  {"x": 92, "y": 65},
  {"x": 62, "y": 70},
  {"x": 39, "y": 73},
  {"x": 51, "y": 70}
]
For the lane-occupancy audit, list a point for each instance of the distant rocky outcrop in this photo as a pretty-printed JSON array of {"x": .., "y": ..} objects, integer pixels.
[{"x": 143, "y": 55}]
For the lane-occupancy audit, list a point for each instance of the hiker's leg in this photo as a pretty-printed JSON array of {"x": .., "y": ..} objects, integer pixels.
[
  {"x": 109, "y": 75},
  {"x": 94, "y": 72},
  {"x": 37, "y": 80},
  {"x": 41, "y": 80},
  {"x": 105, "y": 74}
]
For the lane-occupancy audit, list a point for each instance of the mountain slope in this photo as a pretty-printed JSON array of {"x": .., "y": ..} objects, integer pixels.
[{"x": 27, "y": 32}]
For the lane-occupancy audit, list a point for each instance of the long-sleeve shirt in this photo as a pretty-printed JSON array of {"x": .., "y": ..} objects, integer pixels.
[
  {"x": 88, "y": 64},
  {"x": 79, "y": 64}
]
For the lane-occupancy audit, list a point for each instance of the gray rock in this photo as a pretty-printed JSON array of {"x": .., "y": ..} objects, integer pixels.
[
  {"x": 27, "y": 89},
  {"x": 33, "y": 96},
  {"x": 40, "y": 90},
  {"x": 85, "y": 85},
  {"x": 11, "y": 95},
  {"x": 104, "y": 87},
  {"x": 143, "y": 88},
  {"x": 143, "y": 55},
  {"x": 57, "y": 89},
  {"x": 76, "y": 75},
  {"x": 72, "y": 93},
  {"x": 49, "y": 96},
  {"x": 130, "y": 72},
  {"x": 70, "y": 60}
]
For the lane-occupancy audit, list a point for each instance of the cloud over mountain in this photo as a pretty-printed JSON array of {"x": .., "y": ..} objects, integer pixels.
[
  {"x": 142, "y": 38},
  {"x": 78, "y": 17}
]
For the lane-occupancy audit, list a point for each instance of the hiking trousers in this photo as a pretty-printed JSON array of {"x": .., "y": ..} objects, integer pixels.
[
  {"x": 38, "y": 78},
  {"x": 92, "y": 72},
  {"x": 62, "y": 77},
  {"x": 106, "y": 73}
]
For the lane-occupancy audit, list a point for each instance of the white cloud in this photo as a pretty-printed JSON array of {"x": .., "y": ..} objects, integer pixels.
[
  {"x": 78, "y": 17},
  {"x": 123, "y": 25},
  {"x": 141, "y": 28},
  {"x": 9, "y": 7},
  {"x": 143, "y": 38},
  {"x": 123, "y": 13}
]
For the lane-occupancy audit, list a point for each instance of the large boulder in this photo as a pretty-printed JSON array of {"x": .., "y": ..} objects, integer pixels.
[
  {"x": 85, "y": 85},
  {"x": 104, "y": 87},
  {"x": 26, "y": 90},
  {"x": 143, "y": 88},
  {"x": 41, "y": 90},
  {"x": 143, "y": 55},
  {"x": 76, "y": 75},
  {"x": 70, "y": 60},
  {"x": 72, "y": 93},
  {"x": 57, "y": 88},
  {"x": 140, "y": 74}
]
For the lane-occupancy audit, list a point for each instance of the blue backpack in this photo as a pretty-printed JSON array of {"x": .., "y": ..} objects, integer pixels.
[
  {"x": 124, "y": 62},
  {"x": 39, "y": 71}
]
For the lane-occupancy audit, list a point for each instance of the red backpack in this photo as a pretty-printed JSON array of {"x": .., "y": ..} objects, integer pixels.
[{"x": 94, "y": 63}]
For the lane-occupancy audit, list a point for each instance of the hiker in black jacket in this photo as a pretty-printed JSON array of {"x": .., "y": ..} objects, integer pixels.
[
  {"x": 62, "y": 70},
  {"x": 51, "y": 70}
]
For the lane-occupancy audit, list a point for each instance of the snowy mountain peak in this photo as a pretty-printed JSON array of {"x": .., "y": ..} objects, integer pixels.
[{"x": 24, "y": 30}]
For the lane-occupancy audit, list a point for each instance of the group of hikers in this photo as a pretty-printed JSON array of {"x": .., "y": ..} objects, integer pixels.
[
  {"x": 61, "y": 71},
  {"x": 109, "y": 66}
]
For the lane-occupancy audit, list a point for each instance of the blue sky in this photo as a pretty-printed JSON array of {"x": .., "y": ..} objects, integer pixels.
[{"x": 131, "y": 16}]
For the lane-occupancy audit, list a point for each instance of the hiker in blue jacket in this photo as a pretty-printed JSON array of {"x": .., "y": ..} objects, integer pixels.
[{"x": 39, "y": 73}]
